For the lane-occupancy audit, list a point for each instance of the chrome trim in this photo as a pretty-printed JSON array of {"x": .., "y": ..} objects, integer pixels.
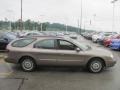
[
  {"x": 48, "y": 59},
  {"x": 68, "y": 60}
]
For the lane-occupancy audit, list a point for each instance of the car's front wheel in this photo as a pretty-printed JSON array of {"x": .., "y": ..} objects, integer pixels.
[
  {"x": 96, "y": 65},
  {"x": 28, "y": 64}
]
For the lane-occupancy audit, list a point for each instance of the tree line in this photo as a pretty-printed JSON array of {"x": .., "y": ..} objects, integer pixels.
[{"x": 32, "y": 25}]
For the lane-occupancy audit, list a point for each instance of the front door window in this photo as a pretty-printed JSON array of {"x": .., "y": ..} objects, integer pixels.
[{"x": 65, "y": 45}]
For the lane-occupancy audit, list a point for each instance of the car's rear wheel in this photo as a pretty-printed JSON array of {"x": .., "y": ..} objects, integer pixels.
[
  {"x": 96, "y": 65},
  {"x": 28, "y": 64}
]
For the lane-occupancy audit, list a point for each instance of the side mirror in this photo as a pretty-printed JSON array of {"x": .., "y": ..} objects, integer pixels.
[{"x": 78, "y": 49}]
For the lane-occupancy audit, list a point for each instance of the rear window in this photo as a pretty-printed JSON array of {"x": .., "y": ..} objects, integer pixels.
[{"x": 22, "y": 42}]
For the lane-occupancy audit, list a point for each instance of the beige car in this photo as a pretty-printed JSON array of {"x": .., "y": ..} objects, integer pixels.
[{"x": 57, "y": 51}]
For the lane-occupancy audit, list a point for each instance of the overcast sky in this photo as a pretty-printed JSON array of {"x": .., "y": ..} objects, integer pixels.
[{"x": 99, "y": 12}]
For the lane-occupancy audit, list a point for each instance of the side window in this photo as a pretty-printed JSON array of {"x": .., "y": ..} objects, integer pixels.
[
  {"x": 46, "y": 44},
  {"x": 65, "y": 45},
  {"x": 22, "y": 42}
]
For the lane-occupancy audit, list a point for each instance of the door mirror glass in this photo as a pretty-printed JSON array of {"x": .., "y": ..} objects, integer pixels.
[{"x": 77, "y": 49}]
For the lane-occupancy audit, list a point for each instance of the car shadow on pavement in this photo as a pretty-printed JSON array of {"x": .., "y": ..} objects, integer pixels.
[
  {"x": 52, "y": 69},
  {"x": 56, "y": 69}
]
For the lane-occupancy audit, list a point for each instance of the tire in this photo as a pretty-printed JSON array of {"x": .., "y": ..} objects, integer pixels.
[
  {"x": 96, "y": 65},
  {"x": 28, "y": 64}
]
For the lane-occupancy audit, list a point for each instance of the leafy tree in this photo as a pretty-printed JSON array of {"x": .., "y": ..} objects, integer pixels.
[{"x": 32, "y": 25}]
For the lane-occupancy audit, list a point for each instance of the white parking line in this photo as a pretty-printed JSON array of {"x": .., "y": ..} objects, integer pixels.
[{"x": 7, "y": 71}]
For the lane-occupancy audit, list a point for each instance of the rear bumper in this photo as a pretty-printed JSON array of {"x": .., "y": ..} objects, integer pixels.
[{"x": 10, "y": 60}]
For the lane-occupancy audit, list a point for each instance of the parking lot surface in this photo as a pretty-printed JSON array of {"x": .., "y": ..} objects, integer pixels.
[{"x": 59, "y": 78}]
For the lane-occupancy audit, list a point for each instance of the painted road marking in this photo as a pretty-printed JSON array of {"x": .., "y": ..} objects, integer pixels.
[{"x": 5, "y": 74}]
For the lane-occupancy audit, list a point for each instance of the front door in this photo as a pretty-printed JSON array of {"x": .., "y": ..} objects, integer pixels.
[{"x": 67, "y": 54}]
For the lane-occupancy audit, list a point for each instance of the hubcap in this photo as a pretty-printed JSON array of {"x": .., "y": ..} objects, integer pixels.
[
  {"x": 27, "y": 64},
  {"x": 96, "y": 66}
]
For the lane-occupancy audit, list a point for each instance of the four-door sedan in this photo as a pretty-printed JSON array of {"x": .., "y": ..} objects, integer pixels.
[{"x": 57, "y": 51}]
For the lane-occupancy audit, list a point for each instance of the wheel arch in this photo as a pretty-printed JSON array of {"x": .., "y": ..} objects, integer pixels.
[
  {"x": 25, "y": 56},
  {"x": 91, "y": 59}
]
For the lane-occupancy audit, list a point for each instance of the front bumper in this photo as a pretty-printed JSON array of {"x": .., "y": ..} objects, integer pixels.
[{"x": 111, "y": 63}]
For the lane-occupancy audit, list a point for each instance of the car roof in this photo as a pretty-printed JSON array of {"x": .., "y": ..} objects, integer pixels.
[
  {"x": 43, "y": 37},
  {"x": 48, "y": 37}
]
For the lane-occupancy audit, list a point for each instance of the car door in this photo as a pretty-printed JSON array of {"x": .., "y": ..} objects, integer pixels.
[
  {"x": 45, "y": 52},
  {"x": 67, "y": 53}
]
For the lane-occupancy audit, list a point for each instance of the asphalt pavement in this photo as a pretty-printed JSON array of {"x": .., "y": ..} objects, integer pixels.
[{"x": 59, "y": 78}]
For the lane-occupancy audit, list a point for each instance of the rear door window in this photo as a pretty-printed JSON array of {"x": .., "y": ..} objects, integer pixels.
[{"x": 45, "y": 44}]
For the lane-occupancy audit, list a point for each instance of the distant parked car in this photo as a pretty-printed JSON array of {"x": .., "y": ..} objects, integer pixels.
[
  {"x": 115, "y": 44},
  {"x": 30, "y": 34},
  {"x": 73, "y": 35},
  {"x": 89, "y": 35},
  {"x": 57, "y": 51},
  {"x": 50, "y": 33},
  {"x": 107, "y": 41},
  {"x": 103, "y": 36},
  {"x": 99, "y": 37},
  {"x": 6, "y": 38},
  {"x": 96, "y": 37}
]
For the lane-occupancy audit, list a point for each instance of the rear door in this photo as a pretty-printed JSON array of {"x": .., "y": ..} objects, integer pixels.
[{"x": 45, "y": 52}]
